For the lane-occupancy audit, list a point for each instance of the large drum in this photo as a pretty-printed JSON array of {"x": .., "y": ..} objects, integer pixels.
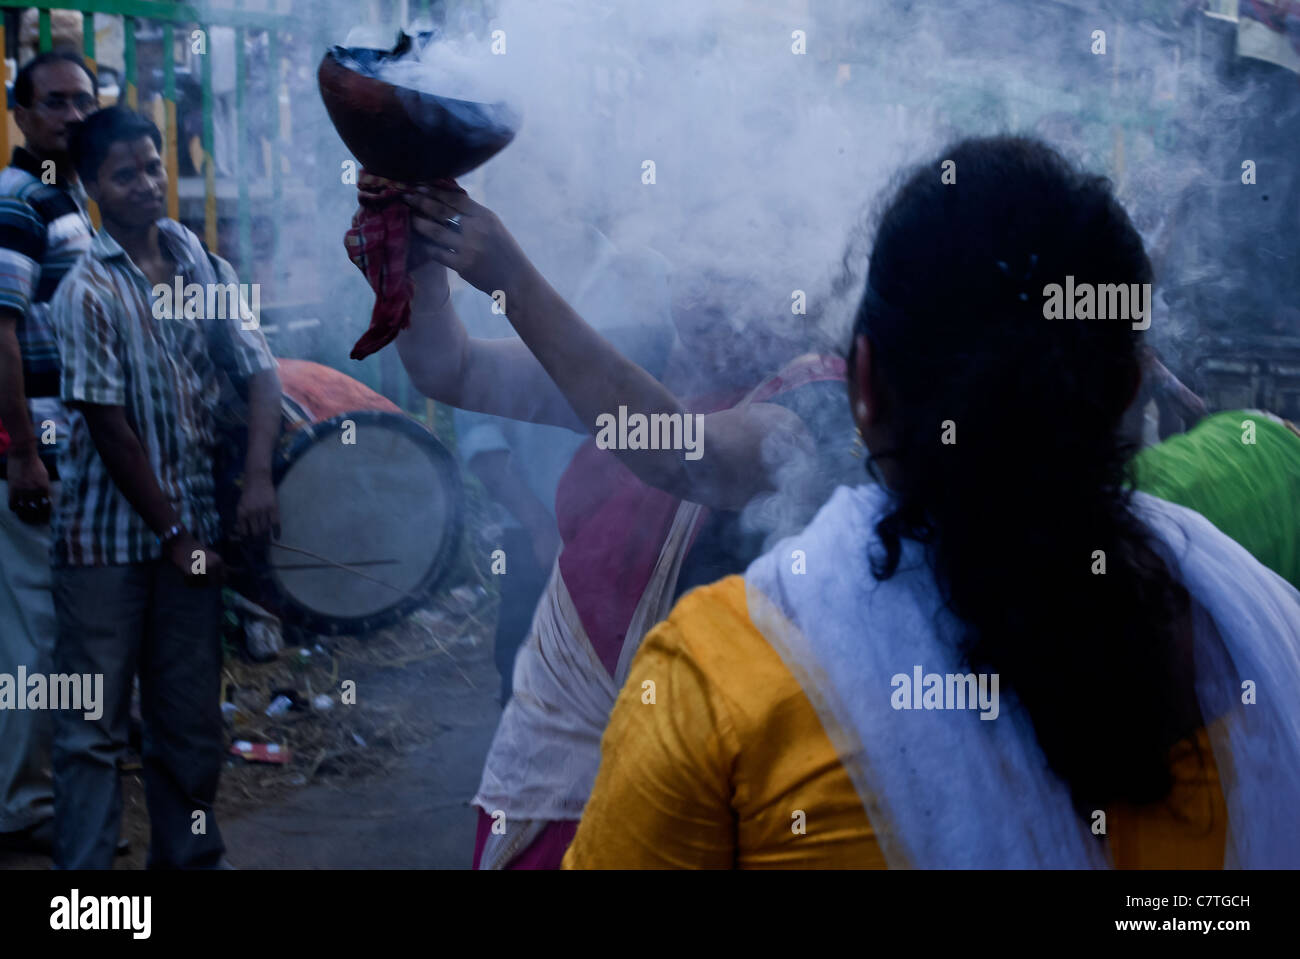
[{"x": 371, "y": 508}]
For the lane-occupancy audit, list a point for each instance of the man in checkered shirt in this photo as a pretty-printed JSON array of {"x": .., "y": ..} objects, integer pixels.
[{"x": 137, "y": 585}]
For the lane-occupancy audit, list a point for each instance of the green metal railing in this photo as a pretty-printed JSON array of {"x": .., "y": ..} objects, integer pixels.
[{"x": 189, "y": 17}]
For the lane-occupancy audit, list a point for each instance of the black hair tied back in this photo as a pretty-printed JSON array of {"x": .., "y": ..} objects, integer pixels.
[{"x": 1013, "y": 513}]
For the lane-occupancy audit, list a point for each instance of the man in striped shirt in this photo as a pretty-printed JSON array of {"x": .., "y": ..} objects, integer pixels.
[
  {"x": 43, "y": 230},
  {"x": 135, "y": 586}
]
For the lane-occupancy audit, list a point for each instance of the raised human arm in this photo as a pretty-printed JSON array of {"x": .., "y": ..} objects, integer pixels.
[{"x": 741, "y": 447}]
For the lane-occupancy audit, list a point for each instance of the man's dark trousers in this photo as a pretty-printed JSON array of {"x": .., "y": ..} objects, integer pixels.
[{"x": 115, "y": 621}]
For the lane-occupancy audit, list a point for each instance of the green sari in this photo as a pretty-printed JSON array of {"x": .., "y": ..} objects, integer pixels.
[{"x": 1250, "y": 491}]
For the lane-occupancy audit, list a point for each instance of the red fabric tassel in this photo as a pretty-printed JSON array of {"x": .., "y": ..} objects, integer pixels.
[{"x": 377, "y": 243}]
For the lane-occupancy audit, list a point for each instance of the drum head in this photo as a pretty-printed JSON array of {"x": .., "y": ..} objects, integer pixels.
[{"x": 389, "y": 505}]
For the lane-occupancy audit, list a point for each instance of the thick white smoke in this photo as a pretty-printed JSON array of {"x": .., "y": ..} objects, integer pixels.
[{"x": 774, "y": 125}]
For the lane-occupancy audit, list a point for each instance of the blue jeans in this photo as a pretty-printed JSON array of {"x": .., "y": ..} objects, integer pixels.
[{"x": 115, "y": 621}]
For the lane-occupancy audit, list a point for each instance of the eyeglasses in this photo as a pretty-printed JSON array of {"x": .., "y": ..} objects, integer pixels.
[{"x": 56, "y": 103}]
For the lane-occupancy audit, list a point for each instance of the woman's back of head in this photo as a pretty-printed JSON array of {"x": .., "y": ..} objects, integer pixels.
[{"x": 1006, "y": 457}]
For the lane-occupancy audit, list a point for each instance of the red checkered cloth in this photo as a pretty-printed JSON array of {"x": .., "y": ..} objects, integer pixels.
[{"x": 377, "y": 244}]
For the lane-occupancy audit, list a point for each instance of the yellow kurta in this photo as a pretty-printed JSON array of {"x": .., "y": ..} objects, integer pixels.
[{"x": 730, "y": 759}]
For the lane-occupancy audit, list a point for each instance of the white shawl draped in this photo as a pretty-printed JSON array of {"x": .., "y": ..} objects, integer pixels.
[{"x": 944, "y": 789}]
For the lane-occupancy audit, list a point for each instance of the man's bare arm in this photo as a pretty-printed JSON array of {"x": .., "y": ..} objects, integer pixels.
[
  {"x": 29, "y": 482},
  {"x": 264, "y": 395},
  {"x": 13, "y": 394},
  {"x": 258, "y": 511},
  {"x": 129, "y": 468},
  {"x": 128, "y": 465}
]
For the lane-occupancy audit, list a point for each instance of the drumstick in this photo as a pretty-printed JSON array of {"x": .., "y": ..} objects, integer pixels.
[
  {"x": 357, "y": 572},
  {"x": 357, "y": 562},
  {"x": 329, "y": 562}
]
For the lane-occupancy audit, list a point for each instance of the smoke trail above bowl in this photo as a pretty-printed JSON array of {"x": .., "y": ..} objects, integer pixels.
[{"x": 384, "y": 108}]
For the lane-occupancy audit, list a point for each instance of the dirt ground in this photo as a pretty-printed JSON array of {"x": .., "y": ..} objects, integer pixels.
[{"x": 383, "y": 782}]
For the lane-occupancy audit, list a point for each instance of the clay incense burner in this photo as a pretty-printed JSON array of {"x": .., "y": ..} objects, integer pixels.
[{"x": 406, "y": 134}]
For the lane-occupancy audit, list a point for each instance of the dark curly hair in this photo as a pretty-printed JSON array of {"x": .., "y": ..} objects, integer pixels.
[{"x": 1011, "y": 514}]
